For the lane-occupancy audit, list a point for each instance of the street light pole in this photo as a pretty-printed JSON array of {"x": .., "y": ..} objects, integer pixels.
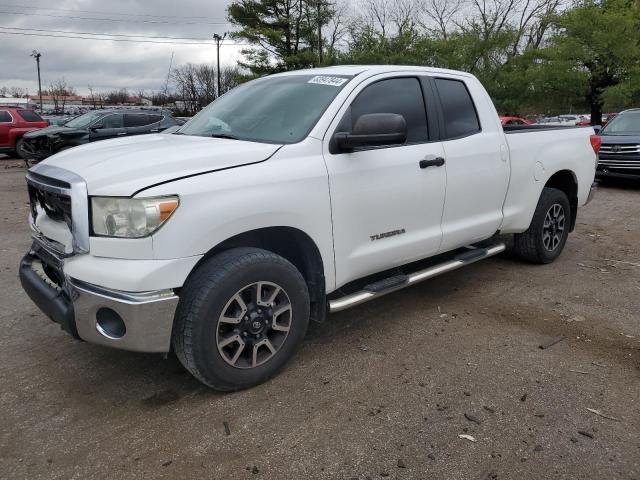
[
  {"x": 37, "y": 56},
  {"x": 218, "y": 39}
]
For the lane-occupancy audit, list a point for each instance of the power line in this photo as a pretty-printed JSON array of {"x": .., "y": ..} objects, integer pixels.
[
  {"x": 112, "y": 39},
  {"x": 104, "y": 34},
  {"x": 104, "y": 19},
  {"x": 98, "y": 12}
]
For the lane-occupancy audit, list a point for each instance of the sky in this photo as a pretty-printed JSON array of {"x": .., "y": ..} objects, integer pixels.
[{"x": 107, "y": 65}]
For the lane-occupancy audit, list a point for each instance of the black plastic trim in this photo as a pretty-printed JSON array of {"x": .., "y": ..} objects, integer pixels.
[{"x": 53, "y": 303}]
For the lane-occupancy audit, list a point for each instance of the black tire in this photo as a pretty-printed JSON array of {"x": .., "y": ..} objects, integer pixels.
[
  {"x": 533, "y": 245},
  {"x": 205, "y": 298},
  {"x": 20, "y": 151}
]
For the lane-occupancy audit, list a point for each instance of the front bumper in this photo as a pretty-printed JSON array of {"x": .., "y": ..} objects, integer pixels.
[
  {"x": 136, "y": 321},
  {"x": 609, "y": 173}
]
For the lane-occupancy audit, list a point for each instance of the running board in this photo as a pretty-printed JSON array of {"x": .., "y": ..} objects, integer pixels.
[{"x": 398, "y": 282}]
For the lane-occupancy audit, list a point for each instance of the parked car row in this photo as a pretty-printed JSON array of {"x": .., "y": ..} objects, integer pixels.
[{"x": 25, "y": 134}]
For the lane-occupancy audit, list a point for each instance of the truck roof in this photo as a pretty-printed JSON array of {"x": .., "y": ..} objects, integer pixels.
[{"x": 372, "y": 69}]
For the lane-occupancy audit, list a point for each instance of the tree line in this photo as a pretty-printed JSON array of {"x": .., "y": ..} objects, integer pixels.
[{"x": 533, "y": 56}]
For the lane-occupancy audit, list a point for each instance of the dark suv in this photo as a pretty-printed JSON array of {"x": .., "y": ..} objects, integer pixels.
[
  {"x": 94, "y": 126},
  {"x": 620, "y": 150}
]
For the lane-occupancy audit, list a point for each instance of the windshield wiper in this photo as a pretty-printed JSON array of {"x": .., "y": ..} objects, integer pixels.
[{"x": 224, "y": 135}]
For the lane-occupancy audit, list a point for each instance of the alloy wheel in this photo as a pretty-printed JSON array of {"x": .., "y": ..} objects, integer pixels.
[
  {"x": 553, "y": 227},
  {"x": 254, "y": 324}
]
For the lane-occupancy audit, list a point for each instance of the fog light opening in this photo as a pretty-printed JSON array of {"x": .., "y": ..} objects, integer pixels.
[{"x": 110, "y": 324}]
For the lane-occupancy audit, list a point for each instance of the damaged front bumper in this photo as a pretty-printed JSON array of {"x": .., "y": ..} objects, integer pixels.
[{"x": 136, "y": 321}]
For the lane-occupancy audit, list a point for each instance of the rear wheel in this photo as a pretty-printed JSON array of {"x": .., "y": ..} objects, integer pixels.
[
  {"x": 241, "y": 317},
  {"x": 545, "y": 238}
]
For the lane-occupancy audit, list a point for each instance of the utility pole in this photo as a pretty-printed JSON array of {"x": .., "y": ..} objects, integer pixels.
[
  {"x": 319, "y": 2},
  {"x": 37, "y": 56},
  {"x": 218, "y": 39},
  {"x": 166, "y": 84}
]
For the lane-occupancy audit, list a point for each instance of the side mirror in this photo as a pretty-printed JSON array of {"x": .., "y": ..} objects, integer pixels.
[
  {"x": 96, "y": 127},
  {"x": 374, "y": 129},
  {"x": 597, "y": 128}
]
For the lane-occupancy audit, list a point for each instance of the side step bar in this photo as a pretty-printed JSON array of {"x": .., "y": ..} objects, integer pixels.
[{"x": 398, "y": 282}]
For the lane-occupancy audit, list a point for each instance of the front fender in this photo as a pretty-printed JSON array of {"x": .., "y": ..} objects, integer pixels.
[{"x": 288, "y": 190}]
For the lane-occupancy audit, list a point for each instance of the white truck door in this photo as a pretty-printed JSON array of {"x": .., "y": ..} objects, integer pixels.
[
  {"x": 477, "y": 162},
  {"x": 386, "y": 209}
]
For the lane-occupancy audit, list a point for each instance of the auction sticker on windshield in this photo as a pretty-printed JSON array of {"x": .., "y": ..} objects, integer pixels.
[{"x": 324, "y": 80}]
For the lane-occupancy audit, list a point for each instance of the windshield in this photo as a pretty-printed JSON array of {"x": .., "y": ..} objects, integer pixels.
[
  {"x": 279, "y": 109},
  {"x": 84, "y": 120},
  {"x": 624, "y": 124}
]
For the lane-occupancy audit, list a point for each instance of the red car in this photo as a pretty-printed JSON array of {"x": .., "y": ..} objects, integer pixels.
[
  {"x": 514, "y": 121},
  {"x": 15, "y": 122}
]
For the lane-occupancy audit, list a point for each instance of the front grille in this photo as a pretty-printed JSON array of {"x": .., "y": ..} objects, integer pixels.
[
  {"x": 631, "y": 164},
  {"x": 614, "y": 149},
  {"x": 56, "y": 205},
  {"x": 60, "y": 198}
]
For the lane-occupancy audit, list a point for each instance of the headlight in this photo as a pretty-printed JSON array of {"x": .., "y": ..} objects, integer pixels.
[{"x": 130, "y": 217}]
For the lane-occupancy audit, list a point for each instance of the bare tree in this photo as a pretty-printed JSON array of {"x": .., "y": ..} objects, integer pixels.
[
  {"x": 404, "y": 16},
  {"x": 60, "y": 91},
  {"x": 440, "y": 13},
  {"x": 196, "y": 84},
  {"x": 376, "y": 14},
  {"x": 92, "y": 96},
  {"x": 117, "y": 97},
  {"x": 338, "y": 27},
  {"x": 17, "y": 92}
]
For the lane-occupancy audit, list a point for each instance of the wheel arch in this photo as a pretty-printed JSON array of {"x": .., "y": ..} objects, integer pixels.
[
  {"x": 567, "y": 182},
  {"x": 292, "y": 244}
]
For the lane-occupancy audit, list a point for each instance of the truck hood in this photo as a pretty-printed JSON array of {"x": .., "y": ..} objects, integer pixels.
[
  {"x": 620, "y": 139},
  {"x": 124, "y": 166}
]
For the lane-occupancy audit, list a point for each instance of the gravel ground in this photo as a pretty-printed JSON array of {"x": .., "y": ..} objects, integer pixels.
[{"x": 382, "y": 390}]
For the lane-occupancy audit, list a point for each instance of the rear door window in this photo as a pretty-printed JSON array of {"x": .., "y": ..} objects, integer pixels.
[
  {"x": 136, "y": 120},
  {"x": 5, "y": 117},
  {"x": 458, "y": 110},
  {"x": 30, "y": 116},
  {"x": 112, "y": 121}
]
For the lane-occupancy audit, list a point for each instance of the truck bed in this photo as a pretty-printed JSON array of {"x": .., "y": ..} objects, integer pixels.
[
  {"x": 553, "y": 148},
  {"x": 533, "y": 128}
]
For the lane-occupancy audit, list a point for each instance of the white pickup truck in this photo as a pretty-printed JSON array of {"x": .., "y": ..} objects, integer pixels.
[{"x": 290, "y": 197}]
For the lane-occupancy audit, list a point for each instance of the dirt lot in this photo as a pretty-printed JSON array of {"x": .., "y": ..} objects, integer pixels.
[{"x": 378, "y": 391}]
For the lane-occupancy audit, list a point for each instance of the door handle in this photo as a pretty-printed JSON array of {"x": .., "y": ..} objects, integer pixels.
[
  {"x": 121, "y": 133},
  {"x": 436, "y": 162}
]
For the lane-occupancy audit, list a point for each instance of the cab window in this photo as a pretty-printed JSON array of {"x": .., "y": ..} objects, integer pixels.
[
  {"x": 458, "y": 110},
  {"x": 402, "y": 96}
]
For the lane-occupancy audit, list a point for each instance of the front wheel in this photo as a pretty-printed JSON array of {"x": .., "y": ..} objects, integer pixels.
[
  {"x": 22, "y": 152},
  {"x": 241, "y": 317},
  {"x": 545, "y": 238}
]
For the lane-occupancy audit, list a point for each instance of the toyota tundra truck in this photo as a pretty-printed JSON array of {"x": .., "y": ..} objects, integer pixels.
[{"x": 288, "y": 198}]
